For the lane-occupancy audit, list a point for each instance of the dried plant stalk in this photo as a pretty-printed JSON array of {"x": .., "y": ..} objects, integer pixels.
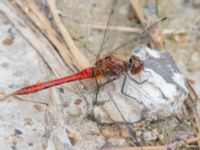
[
  {"x": 33, "y": 11},
  {"x": 158, "y": 41},
  {"x": 113, "y": 28},
  {"x": 77, "y": 55}
]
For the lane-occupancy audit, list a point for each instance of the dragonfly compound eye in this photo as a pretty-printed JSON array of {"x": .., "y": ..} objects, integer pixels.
[{"x": 136, "y": 64}]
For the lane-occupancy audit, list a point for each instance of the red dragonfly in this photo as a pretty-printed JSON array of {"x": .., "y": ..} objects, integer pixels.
[{"x": 108, "y": 66}]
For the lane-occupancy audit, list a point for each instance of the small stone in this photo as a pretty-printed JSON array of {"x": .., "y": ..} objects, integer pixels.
[
  {"x": 12, "y": 86},
  {"x": 38, "y": 107},
  {"x": 18, "y": 132},
  {"x": 28, "y": 121},
  {"x": 8, "y": 41},
  {"x": 61, "y": 90},
  {"x": 30, "y": 144},
  {"x": 73, "y": 137},
  {"x": 74, "y": 111},
  {"x": 77, "y": 101}
]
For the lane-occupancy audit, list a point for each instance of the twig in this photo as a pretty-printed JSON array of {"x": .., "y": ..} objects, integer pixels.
[
  {"x": 30, "y": 101},
  {"x": 139, "y": 12},
  {"x": 5, "y": 97},
  {"x": 113, "y": 28},
  {"x": 158, "y": 41},
  {"x": 192, "y": 111},
  {"x": 19, "y": 98},
  {"x": 33, "y": 11},
  {"x": 131, "y": 29},
  {"x": 164, "y": 147},
  {"x": 78, "y": 56},
  {"x": 174, "y": 32}
]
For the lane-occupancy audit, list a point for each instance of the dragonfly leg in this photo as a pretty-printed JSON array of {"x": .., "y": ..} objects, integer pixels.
[
  {"x": 122, "y": 90},
  {"x": 139, "y": 83},
  {"x": 98, "y": 89},
  {"x": 96, "y": 95},
  {"x": 140, "y": 102}
]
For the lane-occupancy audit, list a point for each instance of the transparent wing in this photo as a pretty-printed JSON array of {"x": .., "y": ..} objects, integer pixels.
[
  {"x": 115, "y": 15},
  {"x": 152, "y": 33},
  {"x": 106, "y": 32}
]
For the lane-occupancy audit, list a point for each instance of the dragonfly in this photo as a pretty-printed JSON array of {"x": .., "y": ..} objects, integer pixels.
[{"x": 110, "y": 67}]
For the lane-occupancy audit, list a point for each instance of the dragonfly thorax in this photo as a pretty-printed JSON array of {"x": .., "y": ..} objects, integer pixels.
[{"x": 113, "y": 66}]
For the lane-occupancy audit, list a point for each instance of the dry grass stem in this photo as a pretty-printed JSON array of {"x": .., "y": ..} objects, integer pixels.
[
  {"x": 157, "y": 40},
  {"x": 113, "y": 28},
  {"x": 42, "y": 22},
  {"x": 78, "y": 56}
]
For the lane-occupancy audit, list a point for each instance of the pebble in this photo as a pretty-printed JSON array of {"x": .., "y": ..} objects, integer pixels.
[
  {"x": 8, "y": 41},
  {"x": 38, "y": 107},
  {"x": 28, "y": 121},
  {"x": 61, "y": 90},
  {"x": 77, "y": 101},
  {"x": 30, "y": 144},
  {"x": 73, "y": 137},
  {"x": 18, "y": 132}
]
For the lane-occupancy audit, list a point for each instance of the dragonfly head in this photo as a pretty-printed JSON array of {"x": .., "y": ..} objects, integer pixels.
[{"x": 135, "y": 64}]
